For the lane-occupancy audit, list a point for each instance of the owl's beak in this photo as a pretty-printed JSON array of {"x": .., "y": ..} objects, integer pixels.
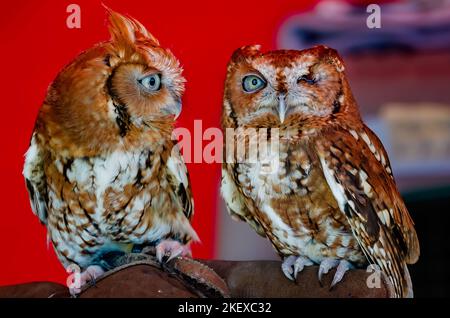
[
  {"x": 282, "y": 107},
  {"x": 177, "y": 111},
  {"x": 174, "y": 109}
]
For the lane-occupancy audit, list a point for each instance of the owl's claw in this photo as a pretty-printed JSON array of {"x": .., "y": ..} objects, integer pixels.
[
  {"x": 300, "y": 264},
  {"x": 342, "y": 268},
  {"x": 286, "y": 266},
  {"x": 89, "y": 275},
  {"x": 325, "y": 266},
  {"x": 292, "y": 265},
  {"x": 169, "y": 249},
  {"x": 328, "y": 263}
]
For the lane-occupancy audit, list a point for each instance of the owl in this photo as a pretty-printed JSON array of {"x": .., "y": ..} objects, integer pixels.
[
  {"x": 331, "y": 199},
  {"x": 102, "y": 171}
]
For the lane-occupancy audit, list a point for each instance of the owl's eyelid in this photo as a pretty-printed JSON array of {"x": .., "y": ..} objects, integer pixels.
[
  {"x": 311, "y": 76},
  {"x": 308, "y": 78},
  {"x": 107, "y": 60},
  {"x": 150, "y": 73},
  {"x": 257, "y": 74}
]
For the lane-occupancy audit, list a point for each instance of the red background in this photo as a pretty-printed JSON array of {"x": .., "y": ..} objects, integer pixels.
[{"x": 36, "y": 44}]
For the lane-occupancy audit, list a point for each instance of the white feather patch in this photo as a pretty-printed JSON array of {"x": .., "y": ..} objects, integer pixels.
[
  {"x": 33, "y": 171},
  {"x": 336, "y": 189}
]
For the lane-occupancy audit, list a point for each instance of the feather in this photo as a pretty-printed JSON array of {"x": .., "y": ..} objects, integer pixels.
[
  {"x": 33, "y": 172},
  {"x": 375, "y": 193},
  {"x": 127, "y": 30}
]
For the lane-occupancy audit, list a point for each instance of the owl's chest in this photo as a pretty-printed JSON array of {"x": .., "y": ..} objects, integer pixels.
[
  {"x": 286, "y": 170},
  {"x": 294, "y": 204},
  {"x": 102, "y": 190}
]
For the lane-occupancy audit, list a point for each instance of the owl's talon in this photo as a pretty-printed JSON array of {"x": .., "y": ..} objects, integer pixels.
[
  {"x": 292, "y": 265},
  {"x": 342, "y": 268},
  {"x": 159, "y": 255},
  {"x": 169, "y": 249},
  {"x": 286, "y": 266},
  {"x": 89, "y": 275},
  {"x": 325, "y": 266},
  {"x": 175, "y": 253},
  {"x": 300, "y": 264}
]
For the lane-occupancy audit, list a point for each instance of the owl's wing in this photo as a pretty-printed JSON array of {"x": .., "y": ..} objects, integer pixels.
[
  {"x": 34, "y": 174},
  {"x": 180, "y": 181},
  {"x": 235, "y": 202},
  {"x": 357, "y": 170}
]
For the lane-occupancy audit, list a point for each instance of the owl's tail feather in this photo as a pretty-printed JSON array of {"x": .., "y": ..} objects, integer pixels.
[
  {"x": 401, "y": 280},
  {"x": 398, "y": 273},
  {"x": 408, "y": 288}
]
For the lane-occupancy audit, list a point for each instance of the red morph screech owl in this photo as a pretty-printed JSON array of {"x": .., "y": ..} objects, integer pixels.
[
  {"x": 102, "y": 171},
  {"x": 333, "y": 200}
]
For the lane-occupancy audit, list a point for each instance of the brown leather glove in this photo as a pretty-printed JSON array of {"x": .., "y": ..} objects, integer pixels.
[{"x": 188, "y": 278}]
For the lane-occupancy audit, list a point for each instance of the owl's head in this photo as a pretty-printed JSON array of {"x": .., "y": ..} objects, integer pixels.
[
  {"x": 286, "y": 87},
  {"x": 143, "y": 76},
  {"x": 115, "y": 91}
]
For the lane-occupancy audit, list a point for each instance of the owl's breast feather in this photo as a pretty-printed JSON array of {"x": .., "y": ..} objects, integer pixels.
[
  {"x": 99, "y": 202},
  {"x": 295, "y": 206}
]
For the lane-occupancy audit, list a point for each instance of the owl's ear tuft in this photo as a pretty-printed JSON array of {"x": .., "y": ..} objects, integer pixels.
[
  {"x": 127, "y": 29},
  {"x": 245, "y": 52},
  {"x": 331, "y": 56}
]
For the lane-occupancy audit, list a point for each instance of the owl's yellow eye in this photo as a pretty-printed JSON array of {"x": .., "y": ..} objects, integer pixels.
[
  {"x": 253, "y": 83},
  {"x": 151, "y": 82}
]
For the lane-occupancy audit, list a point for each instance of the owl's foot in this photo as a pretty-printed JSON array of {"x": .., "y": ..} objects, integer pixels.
[
  {"x": 89, "y": 275},
  {"x": 292, "y": 265},
  {"x": 328, "y": 263},
  {"x": 169, "y": 249}
]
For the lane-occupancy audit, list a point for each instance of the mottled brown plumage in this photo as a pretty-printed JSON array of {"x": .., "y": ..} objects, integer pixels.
[
  {"x": 332, "y": 198},
  {"x": 102, "y": 170}
]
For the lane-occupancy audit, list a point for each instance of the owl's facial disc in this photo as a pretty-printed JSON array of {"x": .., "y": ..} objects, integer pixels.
[
  {"x": 149, "y": 92},
  {"x": 285, "y": 87},
  {"x": 255, "y": 87},
  {"x": 152, "y": 83},
  {"x": 272, "y": 101}
]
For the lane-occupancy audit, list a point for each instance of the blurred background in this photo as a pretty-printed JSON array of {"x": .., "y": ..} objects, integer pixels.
[{"x": 399, "y": 73}]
